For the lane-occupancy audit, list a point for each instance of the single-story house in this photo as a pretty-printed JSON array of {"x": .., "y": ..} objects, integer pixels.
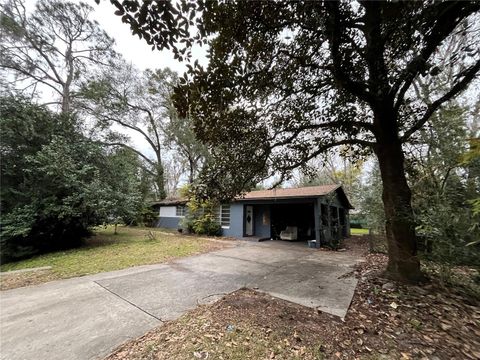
[{"x": 307, "y": 213}]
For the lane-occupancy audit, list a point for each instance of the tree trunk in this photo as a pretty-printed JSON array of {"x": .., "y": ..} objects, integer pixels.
[
  {"x": 160, "y": 181},
  {"x": 191, "y": 175},
  {"x": 403, "y": 263},
  {"x": 66, "y": 95}
]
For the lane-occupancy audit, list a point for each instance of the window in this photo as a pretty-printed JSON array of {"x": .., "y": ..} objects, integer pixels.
[
  {"x": 180, "y": 210},
  {"x": 225, "y": 216}
]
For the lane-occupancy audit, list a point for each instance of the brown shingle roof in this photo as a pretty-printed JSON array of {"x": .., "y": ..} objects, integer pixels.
[
  {"x": 293, "y": 192},
  {"x": 171, "y": 201},
  {"x": 302, "y": 192}
]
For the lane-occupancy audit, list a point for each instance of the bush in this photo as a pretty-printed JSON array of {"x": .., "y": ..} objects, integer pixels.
[
  {"x": 56, "y": 183},
  {"x": 207, "y": 225},
  {"x": 445, "y": 231},
  {"x": 201, "y": 217}
]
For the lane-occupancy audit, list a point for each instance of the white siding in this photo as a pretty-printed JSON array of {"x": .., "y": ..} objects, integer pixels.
[{"x": 168, "y": 211}]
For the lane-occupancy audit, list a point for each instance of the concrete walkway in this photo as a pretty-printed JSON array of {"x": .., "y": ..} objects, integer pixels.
[{"x": 87, "y": 317}]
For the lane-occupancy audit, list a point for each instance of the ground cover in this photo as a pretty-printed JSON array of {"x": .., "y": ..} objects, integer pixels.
[
  {"x": 386, "y": 320},
  {"x": 106, "y": 251}
]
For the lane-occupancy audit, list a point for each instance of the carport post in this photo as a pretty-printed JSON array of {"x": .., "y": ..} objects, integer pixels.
[
  {"x": 347, "y": 222},
  {"x": 317, "y": 214}
]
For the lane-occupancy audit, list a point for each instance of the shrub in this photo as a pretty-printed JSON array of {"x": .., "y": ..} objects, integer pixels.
[
  {"x": 201, "y": 217},
  {"x": 207, "y": 225}
]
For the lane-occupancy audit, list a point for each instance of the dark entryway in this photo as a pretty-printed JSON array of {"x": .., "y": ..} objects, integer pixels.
[{"x": 293, "y": 215}]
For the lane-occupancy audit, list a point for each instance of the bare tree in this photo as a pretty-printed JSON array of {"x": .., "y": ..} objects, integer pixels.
[
  {"x": 138, "y": 102},
  {"x": 51, "y": 48},
  {"x": 174, "y": 170}
]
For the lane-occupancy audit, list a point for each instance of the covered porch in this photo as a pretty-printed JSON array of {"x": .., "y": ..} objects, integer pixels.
[{"x": 298, "y": 220}]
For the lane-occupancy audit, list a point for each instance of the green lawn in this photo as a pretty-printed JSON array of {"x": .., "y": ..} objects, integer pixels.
[
  {"x": 354, "y": 231},
  {"x": 106, "y": 252}
]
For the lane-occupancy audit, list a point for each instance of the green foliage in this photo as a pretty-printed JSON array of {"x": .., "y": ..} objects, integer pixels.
[
  {"x": 445, "y": 178},
  {"x": 471, "y": 160},
  {"x": 201, "y": 217},
  {"x": 371, "y": 205},
  {"x": 56, "y": 183},
  {"x": 207, "y": 224},
  {"x": 145, "y": 217},
  {"x": 445, "y": 231},
  {"x": 123, "y": 176}
]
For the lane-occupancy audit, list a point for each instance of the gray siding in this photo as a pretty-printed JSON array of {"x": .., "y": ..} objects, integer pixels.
[
  {"x": 262, "y": 217},
  {"x": 236, "y": 221},
  {"x": 261, "y": 213},
  {"x": 168, "y": 222}
]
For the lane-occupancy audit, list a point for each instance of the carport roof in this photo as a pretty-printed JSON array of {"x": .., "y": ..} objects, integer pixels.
[
  {"x": 171, "y": 202},
  {"x": 291, "y": 193},
  {"x": 301, "y": 192}
]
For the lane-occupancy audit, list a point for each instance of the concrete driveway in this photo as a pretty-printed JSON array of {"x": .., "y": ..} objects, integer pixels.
[{"x": 87, "y": 317}]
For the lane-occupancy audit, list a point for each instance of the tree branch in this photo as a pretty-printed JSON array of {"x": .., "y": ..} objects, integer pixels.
[
  {"x": 451, "y": 15},
  {"x": 326, "y": 147},
  {"x": 29, "y": 75},
  {"x": 334, "y": 124},
  {"x": 468, "y": 76},
  {"x": 334, "y": 35},
  {"x": 126, "y": 146}
]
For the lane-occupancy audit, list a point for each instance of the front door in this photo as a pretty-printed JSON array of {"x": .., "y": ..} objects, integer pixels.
[{"x": 249, "y": 220}]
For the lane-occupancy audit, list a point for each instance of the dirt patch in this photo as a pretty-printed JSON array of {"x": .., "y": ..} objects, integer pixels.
[
  {"x": 12, "y": 281},
  {"x": 358, "y": 245},
  {"x": 386, "y": 321}
]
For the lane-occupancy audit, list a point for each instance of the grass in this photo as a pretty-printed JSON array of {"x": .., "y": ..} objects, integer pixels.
[
  {"x": 107, "y": 252},
  {"x": 354, "y": 231}
]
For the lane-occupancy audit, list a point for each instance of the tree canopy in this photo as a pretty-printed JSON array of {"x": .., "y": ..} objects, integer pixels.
[
  {"x": 56, "y": 183},
  {"x": 288, "y": 81}
]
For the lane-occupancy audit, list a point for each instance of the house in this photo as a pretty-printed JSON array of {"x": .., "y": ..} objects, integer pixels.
[{"x": 306, "y": 213}]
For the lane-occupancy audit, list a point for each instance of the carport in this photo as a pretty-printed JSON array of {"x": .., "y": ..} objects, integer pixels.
[{"x": 314, "y": 213}]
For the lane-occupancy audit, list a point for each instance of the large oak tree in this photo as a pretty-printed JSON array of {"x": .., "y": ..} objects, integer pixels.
[
  {"x": 288, "y": 81},
  {"x": 50, "y": 49}
]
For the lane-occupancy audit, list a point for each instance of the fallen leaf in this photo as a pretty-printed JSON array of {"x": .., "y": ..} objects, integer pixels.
[
  {"x": 428, "y": 338},
  {"x": 296, "y": 337},
  {"x": 445, "y": 327}
]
